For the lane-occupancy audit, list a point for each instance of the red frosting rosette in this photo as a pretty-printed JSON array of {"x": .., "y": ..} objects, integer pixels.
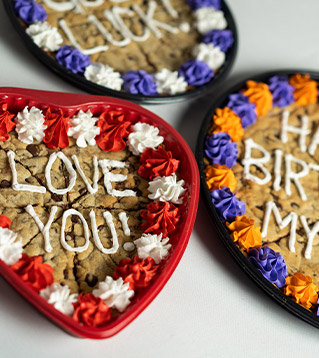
[
  {"x": 113, "y": 129},
  {"x": 6, "y": 123},
  {"x": 91, "y": 311},
  {"x": 156, "y": 163},
  {"x": 34, "y": 272},
  {"x": 5, "y": 222},
  {"x": 161, "y": 217},
  {"x": 56, "y": 133},
  {"x": 135, "y": 271}
]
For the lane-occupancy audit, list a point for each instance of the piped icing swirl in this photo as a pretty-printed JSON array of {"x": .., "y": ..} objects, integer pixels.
[
  {"x": 227, "y": 121},
  {"x": 6, "y": 123},
  {"x": 282, "y": 91},
  {"x": 220, "y": 150},
  {"x": 166, "y": 189},
  {"x": 153, "y": 246},
  {"x": 114, "y": 293},
  {"x": 156, "y": 163},
  {"x": 259, "y": 94},
  {"x": 45, "y": 36},
  {"x": 34, "y": 272},
  {"x": 270, "y": 264},
  {"x": 226, "y": 204},
  {"x": 137, "y": 272},
  {"x": 30, "y": 125},
  {"x": 302, "y": 290},
  {"x": 240, "y": 104},
  {"x": 160, "y": 218},
  {"x": 306, "y": 91},
  {"x": 219, "y": 176}
]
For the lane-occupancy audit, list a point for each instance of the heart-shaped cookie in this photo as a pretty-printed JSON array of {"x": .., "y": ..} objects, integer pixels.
[
  {"x": 258, "y": 155},
  {"x": 98, "y": 199}
]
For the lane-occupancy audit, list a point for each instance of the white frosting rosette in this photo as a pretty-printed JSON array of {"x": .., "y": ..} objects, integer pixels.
[
  {"x": 60, "y": 297},
  {"x": 168, "y": 82},
  {"x": 209, "y": 19},
  {"x": 83, "y": 128},
  {"x": 45, "y": 36},
  {"x": 153, "y": 246},
  {"x": 210, "y": 54},
  {"x": 143, "y": 136},
  {"x": 104, "y": 75},
  {"x": 10, "y": 249},
  {"x": 166, "y": 189},
  {"x": 29, "y": 125},
  {"x": 115, "y": 293}
]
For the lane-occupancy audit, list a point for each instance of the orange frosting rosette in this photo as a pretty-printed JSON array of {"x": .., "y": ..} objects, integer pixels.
[
  {"x": 259, "y": 94},
  {"x": 302, "y": 289},
  {"x": 305, "y": 89},
  {"x": 227, "y": 121},
  {"x": 218, "y": 176},
  {"x": 244, "y": 231}
]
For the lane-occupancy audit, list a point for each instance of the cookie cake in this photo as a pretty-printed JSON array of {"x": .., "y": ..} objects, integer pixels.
[{"x": 261, "y": 170}]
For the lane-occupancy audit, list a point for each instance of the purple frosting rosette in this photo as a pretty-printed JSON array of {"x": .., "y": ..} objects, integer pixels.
[
  {"x": 282, "y": 91},
  {"x": 139, "y": 82},
  {"x": 196, "y": 73},
  {"x": 226, "y": 204},
  {"x": 240, "y": 104},
  {"x": 224, "y": 39},
  {"x": 220, "y": 150},
  {"x": 270, "y": 263},
  {"x": 72, "y": 59},
  {"x": 30, "y": 11},
  {"x": 197, "y": 4}
]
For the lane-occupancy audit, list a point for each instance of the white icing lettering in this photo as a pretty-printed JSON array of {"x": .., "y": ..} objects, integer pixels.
[
  {"x": 45, "y": 230},
  {"x": 169, "y": 8},
  {"x": 303, "y": 131},
  {"x": 21, "y": 187},
  {"x": 248, "y": 161},
  {"x": 69, "y": 168},
  {"x": 277, "y": 169},
  {"x": 108, "y": 218},
  {"x": 151, "y": 23},
  {"x": 123, "y": 218},
  {"x": 114, "y": 16},
  {"x": 109, "y": 177},
  {"x": 310, "y": 235},
  {"x": 293, "y": 176},
  {"x": 314, "y": 142},
  {"x": 64, "y": 244},
  {"x": 91, "y": 190},
  {"x": 282, "y": 223},
  {"x": 73, "y": 41}
]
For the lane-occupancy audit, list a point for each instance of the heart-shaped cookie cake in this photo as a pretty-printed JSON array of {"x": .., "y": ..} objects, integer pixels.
[
  {"x": 88, "y": 200},
  {"x": 262, "y": 173},
  {"x": 149, "y": 48}
]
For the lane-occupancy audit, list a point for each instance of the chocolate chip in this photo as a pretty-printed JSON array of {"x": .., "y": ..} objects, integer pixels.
[
  {"x": 57, "y": 197},
  {"x": 91, "y": 280},
  {"x": 82, "y": 191},
  {"x": 137, "y": 180},
  {"x": 131, "y": 168},
  {"x": 100, "y": 227},
  {"x": 66, "y": 273},
  {"x": 71, "y": 234},
  {"x": 5, "y": 184},
  {"x": 138, "y": 192},
  {"x": 33, "y": 149},
  {"x": 294, "y": 205},
  {"x": 75, "y": 219}
]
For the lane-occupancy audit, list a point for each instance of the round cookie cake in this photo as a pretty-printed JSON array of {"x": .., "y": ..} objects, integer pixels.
[
  {"x": 143, "y": 48},
  {"x": 88, "y": 200},
  {"x": 261, "y": 168}
]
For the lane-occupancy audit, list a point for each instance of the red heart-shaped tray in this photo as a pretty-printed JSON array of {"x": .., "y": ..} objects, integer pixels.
[{"x": 17, "y": 99}]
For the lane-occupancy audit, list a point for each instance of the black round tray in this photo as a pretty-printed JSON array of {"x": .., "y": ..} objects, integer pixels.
[
  {"x": 81, "y": 82},
  {"x": 275, "y": 293}
]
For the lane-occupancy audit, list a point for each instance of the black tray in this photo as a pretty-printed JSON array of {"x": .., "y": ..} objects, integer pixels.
[
  {"x": 81, "y": 82},
  {"x": 275, "y": 293}
]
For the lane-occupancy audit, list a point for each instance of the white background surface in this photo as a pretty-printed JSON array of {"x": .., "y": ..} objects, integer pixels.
[{"x": 209, "y": 308}]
